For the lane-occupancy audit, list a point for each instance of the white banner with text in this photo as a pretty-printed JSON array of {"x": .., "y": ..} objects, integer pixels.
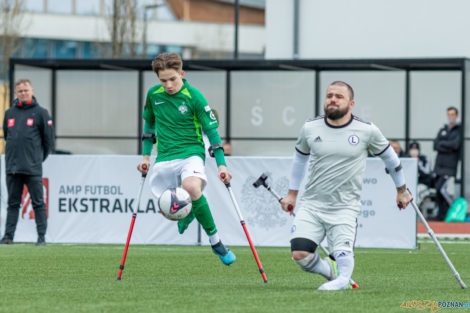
[{"x": 90, "y": 199}]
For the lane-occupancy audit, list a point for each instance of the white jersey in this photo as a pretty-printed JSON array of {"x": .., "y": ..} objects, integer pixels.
[{"x": 337, "y": 162}]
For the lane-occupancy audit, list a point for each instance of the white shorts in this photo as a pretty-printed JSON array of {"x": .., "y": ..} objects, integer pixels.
[
  {"x": 170, "y": 174},
  {"x": 315, "y": 225}
]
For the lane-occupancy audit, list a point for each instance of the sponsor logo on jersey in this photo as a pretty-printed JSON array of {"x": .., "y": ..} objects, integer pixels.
[
  {"x": 212, "y": 116},
  {"x": 207, "y": 108},
  {"x": 11, "y": 122},
  {"x": 183, "y": 109},
  {"x": 353, "y": 140},
  {"x": 318, "y": 139},
  {"x": 29, "y": 122}
]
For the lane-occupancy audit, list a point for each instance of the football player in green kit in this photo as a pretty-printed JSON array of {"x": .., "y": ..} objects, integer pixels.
[{"x": 177, "y": 113}]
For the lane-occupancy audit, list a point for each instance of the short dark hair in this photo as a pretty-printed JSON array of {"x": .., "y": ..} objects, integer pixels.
[
  {"x": 341, "y": 83},
  {"x": 23, "y": 81},
  {"x": 414, "y": 144},
  {"x": 166, "y": 61},
  {"x": 453, "y": 108}
]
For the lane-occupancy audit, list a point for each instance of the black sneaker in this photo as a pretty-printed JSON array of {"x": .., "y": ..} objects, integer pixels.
[
  {"x": 41, "y": 241},
  {"x": 6, "y": 241}
]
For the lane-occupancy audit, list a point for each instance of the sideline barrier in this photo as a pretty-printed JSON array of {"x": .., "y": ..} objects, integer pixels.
[{"x": 90, "y": 199}]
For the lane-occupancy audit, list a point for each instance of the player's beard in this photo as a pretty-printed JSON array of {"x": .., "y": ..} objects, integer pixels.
[{"x": 335, "y": 113}]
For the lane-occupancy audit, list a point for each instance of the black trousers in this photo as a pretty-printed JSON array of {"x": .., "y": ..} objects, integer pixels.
[
  {"x": 443, "y": 199},
  {"x": 15, "y": 183}
]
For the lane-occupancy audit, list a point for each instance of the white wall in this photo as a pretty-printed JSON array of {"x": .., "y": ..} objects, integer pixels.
[
  {"x": 369, "y": 28},
  {"x": 204, "y": 36},
  {"x": 279, "y": 29}
]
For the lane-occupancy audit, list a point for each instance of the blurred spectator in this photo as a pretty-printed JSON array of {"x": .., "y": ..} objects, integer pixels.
[
  {"x": 227, "y": 148},
  {"x": 424, "y": 170},
  {"x": 397, "y": 148},
  {"x": 447, "y": 144}
]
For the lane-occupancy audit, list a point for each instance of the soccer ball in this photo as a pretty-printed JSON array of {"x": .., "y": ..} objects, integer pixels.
[{"x": 175, "y": 203}]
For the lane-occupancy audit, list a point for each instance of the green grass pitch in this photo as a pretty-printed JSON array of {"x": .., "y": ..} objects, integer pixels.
[{"x": 82, "y": 278}]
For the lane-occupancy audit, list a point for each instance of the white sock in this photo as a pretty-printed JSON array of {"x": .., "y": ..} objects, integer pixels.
[
  {"x": 345, "y": 262},
  {"x": 314, "y": 264},
  {"x": 214, "y": 239}
]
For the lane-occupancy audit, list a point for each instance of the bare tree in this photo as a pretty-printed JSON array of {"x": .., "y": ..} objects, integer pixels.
[
  {"x": 11, "y": 25},
  {"x": 123, "y": 28}
]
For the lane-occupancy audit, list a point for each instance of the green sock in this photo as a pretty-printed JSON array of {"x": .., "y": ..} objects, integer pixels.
[
  {"x": 203, "y": 215},
  {"x": 184, "y": 223}
]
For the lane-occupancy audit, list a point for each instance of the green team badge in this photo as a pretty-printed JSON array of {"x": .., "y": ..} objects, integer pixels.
[{"x": 183, "y": 108}]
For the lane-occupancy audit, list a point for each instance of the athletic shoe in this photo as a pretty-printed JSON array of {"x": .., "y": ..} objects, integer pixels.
[
  {"x": 226, "y": 256},
  {"x": 335, "y": 284},
  {"x": 333, "y": 268},
  {"x": 6, "y": 241},
  {"x": 41, "y": 241}
]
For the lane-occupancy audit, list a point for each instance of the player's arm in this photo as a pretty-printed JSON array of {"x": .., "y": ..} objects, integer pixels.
[
  {"x": 148, "y": 140},
  {"x": 217, "y": 150},
  {"x": 297, "y": 173},
  {"x": 148, "y": 136},
  {"x": 47, "y": 133},
  {"x": 209, "y": 125},
  {"x": 394, "y": 168}
]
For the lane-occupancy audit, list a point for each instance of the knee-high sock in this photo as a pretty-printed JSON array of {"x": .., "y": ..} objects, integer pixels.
[
  {"x": 315, "y": 264},
  {"x": 345, "y": 262},
  {"x": 204, "y": 216}
]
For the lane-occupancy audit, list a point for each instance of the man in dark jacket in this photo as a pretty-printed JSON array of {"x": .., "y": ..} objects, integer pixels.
[
  {"x": 447, "y": 144},
  {"x": 29, "y": 138}
]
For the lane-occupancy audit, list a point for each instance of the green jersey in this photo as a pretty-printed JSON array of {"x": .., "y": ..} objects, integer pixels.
[{"x": 179, "y": 120}]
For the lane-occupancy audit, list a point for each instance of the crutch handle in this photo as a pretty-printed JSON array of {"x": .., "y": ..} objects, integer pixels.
[
  {"x": 144, "y": 167},
  {"x": 290, "y": 207},
  {"x": 222, "y": 175}
]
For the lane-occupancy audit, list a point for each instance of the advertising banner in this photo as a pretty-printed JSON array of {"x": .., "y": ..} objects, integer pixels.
[{"x": 90, "y": 199}]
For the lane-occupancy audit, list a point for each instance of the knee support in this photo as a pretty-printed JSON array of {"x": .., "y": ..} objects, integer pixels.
[
  {"x": 303, "y": 244},
  {"x": 311, "y": 262}
]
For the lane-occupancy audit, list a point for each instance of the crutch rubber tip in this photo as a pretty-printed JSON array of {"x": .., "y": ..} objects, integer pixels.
[
  {"x": 119, "y": 278},
  {"x": 266, "y": 281}
]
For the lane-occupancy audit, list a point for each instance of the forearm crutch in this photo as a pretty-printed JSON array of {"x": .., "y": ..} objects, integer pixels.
[
  {"x": 431, "y": 233},
  {"x": 134, "y": 215},
  {"x": 242, "y": 222}
]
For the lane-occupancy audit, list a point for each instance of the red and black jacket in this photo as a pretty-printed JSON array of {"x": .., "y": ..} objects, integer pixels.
[{"x": 29, "y": 137}]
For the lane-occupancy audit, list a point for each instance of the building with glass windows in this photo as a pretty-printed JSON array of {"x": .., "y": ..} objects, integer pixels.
[{"x": 195, "y": 29}]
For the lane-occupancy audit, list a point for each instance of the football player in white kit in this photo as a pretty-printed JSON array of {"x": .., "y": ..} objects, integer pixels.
[{"x": 335, "y": 147}]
